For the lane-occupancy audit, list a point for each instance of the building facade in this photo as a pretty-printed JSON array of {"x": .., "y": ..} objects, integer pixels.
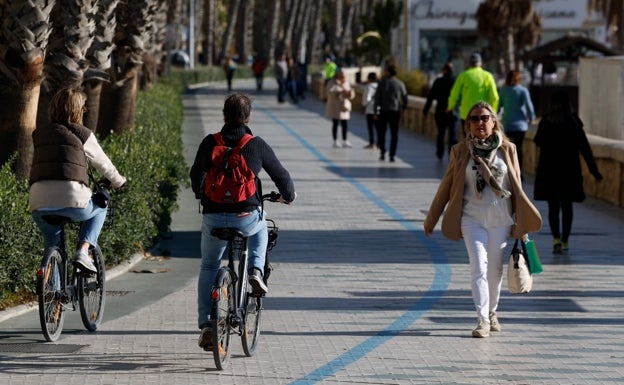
[{"x": 433, "y": 32}]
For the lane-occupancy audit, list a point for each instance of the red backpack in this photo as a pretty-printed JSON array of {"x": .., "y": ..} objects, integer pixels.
[{"x": 229, "y": 180}]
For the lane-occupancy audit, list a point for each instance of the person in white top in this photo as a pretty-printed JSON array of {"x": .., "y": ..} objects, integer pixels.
[{"x": 59, "y": 181}]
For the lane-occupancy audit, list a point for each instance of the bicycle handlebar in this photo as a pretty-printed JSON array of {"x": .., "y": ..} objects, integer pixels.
[{"x": 273, "y": 196}]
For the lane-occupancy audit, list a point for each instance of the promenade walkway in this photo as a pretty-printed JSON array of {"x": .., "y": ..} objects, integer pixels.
[{"x": 358, "y": 296}]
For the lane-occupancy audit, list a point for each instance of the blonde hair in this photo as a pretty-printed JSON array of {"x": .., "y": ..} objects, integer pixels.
[
  {"x": 67, "y": 106},
  {"x": 498, "y": 126}
]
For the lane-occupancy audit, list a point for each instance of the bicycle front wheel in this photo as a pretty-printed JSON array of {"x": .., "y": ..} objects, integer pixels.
[
  {"x": 50, "y": 295},
  {"x": 223, "y": 311},
  {"x": 251, "y": 326},
  {"x": 92, "y": 292}
]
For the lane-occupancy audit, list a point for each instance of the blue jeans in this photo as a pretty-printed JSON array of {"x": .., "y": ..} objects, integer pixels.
[
  {"x": 92, "y": 218},
  {"x": 253, "y": 226}
]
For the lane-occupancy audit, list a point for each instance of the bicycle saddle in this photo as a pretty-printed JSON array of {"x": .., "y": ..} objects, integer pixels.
[
  {"x": 57, "y": 220},
  {"x": 226, "y": 233}
]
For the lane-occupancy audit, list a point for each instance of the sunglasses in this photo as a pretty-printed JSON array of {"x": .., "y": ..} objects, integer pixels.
[{"x": 476, "y": 118}]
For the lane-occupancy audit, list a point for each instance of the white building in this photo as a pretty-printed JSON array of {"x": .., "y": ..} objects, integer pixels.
[{"x": 435, "y": 31}]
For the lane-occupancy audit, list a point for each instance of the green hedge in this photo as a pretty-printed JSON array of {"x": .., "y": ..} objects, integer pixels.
[{"x": 150, "y": 156}]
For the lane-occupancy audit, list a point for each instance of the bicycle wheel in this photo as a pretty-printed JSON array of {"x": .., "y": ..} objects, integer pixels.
[
  {"x": 223, "y": 310},
  {"x": 50, "y": 296},
  {"x": 251, "y": 325},
  {"x": 92, "y": 292}
]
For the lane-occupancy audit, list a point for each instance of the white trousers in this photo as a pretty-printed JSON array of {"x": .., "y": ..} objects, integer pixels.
[{"x": 486, "y": 248}]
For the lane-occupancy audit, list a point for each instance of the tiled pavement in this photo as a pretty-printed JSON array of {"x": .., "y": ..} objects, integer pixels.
[{"x": 358, "y": 296}]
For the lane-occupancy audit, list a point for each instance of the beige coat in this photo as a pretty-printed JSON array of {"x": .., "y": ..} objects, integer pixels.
[
  {"x": 450, "y": 194},
  {"x": 339, "y": 96}
]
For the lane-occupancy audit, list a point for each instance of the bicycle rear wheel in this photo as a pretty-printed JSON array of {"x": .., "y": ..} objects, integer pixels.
[
  {"x": 251, "y": 326},
  {"x": 223, "y": 310},
  {"x": 50, "y": 295},
  {"x": 92, "y": 292}
]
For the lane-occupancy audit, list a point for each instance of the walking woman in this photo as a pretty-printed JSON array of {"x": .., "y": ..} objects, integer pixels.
[
  {"x": 339, "y": 96},
  {"x": 485, "y": 204},
  {"x": 558, "y": 179}
]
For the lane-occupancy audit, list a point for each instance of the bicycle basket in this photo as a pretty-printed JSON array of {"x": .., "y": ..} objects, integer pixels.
[{"x": 272, "y": 229}]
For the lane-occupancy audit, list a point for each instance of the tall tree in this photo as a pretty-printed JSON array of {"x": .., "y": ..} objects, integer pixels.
[
  {"x": 613, "y": 12},
  {"x": 228, "y": 35},
  {"x": 118, "y": 103},
  {"x": 99, "y": 56},
  {"x": 24, "y": 32},
  {"x": 66, "y": 61},
  {"x": 509, "y": 24}
]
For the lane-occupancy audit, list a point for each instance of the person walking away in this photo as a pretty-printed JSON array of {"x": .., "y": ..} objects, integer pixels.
[
  {"x": 329, "y": 69},
  {"x": 258, "y": 67},
  {"x": 59, "y": 181},
  {"x": 292, "y": 79},
  {"x": 558, "y": 179},
  {"x": 472, "y": 85},
  {"x": 369, "y": 110},
  {"x": 229, "y": 67},
  {"x": 390, "y": 101},
  {"x": 517, "y": 110},
  {"x": 338, "y": 107},
  {"x": 281, "y": 73},
  {"x": 483, "y": 202},
  {"x": 446, "y": 121},
  {"x": 248, "y": 215}
]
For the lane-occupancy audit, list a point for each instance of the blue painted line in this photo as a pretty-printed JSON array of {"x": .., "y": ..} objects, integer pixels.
[{"x": 439, "y": 285}]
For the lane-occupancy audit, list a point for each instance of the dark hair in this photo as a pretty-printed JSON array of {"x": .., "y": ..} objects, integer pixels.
[
  {"x": 237, "y": 109},
  {"x": 392, "y": 70},
  {"x": 561, "y": 101},
  {"x": 67, "y": 106},
  {"x": 372, "y": 76},
  {"x": 448, "y": 68},
  {"x": 513, "y": 77}
]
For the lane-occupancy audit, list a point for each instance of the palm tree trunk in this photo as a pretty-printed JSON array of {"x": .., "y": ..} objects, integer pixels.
[
  {"x": 27, "y": 119},
  {"x": 228, "y": 36}
]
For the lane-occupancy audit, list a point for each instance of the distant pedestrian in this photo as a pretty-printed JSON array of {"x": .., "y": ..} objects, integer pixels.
[
  {"x": 329, "y": 69},
  {"x": 338, "y": 107},
  {"x": 229, "y": 67},
  {"x": 292, "y": 79},
  {"x": 281, "y": 73},
  {"x": 558, "y": 179},
  {"x": 446, "y": 121},
  {"x": 369, "y": 110},
  {"x": 517, "y": 108},
  {"x": 472, "y": 85},
  {"x": 390, "y": 101},
  {"x": 258, "y": 67}
]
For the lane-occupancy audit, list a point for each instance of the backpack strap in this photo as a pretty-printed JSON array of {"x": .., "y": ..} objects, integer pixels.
[
  {"x": 218, "y": 139},
  {"x": 244, "y": 140}
]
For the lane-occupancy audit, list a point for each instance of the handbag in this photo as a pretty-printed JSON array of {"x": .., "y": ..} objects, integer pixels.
[
  {"x": 519, "y": 277},
  {"x": 530, "y": 250}
]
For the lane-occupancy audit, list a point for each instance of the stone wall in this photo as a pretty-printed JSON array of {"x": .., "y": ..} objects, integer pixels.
[{"x": 609, "y": 153}]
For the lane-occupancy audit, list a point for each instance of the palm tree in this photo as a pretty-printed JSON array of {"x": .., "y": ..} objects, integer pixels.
[
  {"x": 228, "y": 35},
  {"x": 118, "y": 102},
  {"x": 510, "y": 24},
  {"x": 613, "y": 11},
  {"x": 24, "y": 35},
  {"x": 99, "y": 56},
  {"x": 73, "y": 27}
]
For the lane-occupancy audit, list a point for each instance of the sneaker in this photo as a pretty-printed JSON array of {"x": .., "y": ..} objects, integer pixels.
[
  {"x": 346, "y": 144},
  {"x": 257, "y": 284},
  {"x": 205, "y": 339},
  {"x": 392, "y": 159},
  {"x": 84, "y": 262},
  {"x": 564, "y": 247},
  {"x": 557, "y": 247},
  {"x": 370, "y": 147},
  {"x": 382, "y": 157},
  {"x": 337, "y": 144},
  {"x": 482, "y": 330},
  {"x": 495, "y": 326}
]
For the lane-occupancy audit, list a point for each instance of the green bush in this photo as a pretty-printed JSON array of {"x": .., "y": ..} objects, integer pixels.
[
  {"x": 415, "y": 81},
  {"x": 150, "y": 156}
]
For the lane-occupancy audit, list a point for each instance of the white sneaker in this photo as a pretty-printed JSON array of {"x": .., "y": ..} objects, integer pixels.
[
  {"x": 346, "y": 144},
  {"x": 482, "y": 330},
  {"x": 337, "y": 144},
  {"x": 84, "y": 262}
]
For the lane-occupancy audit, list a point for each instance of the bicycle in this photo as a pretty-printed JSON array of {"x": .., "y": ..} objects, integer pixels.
[
  {"x": 59, "y": 289},
  {"x": 235, "y": 308}
]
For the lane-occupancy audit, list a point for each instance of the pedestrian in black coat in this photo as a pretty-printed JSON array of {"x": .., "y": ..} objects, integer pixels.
[
  {"x": 558, "y": 179},
  {"x": 446, "y": 121}
]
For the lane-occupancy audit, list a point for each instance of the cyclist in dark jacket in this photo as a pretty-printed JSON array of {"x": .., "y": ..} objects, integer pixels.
[{"x": 247, "y": 216}]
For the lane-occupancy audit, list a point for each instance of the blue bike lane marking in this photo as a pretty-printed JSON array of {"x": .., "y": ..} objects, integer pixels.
[{"x": 439, "y": 285}]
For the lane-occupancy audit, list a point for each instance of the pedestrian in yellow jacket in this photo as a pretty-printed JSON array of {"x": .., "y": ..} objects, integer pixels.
[{"x": 471, "y": 86}]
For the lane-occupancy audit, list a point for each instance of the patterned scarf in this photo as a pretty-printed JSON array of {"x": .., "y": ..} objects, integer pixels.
[{"x": 487, "y": 173}]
